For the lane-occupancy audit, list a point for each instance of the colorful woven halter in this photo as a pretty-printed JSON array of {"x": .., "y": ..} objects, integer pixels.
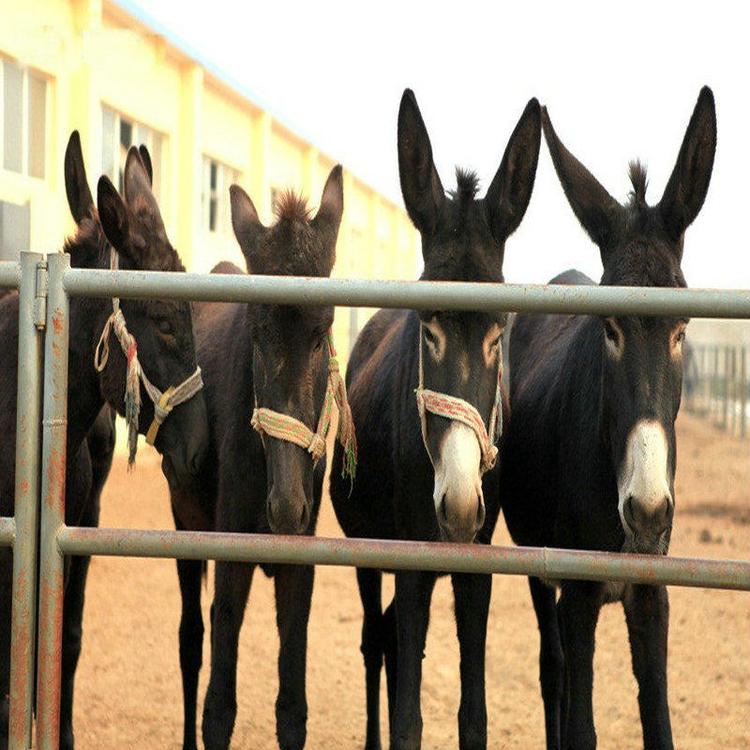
[
  {"x": 458, "y": 410},
  {"x": 164, "y": 401},
  {"x": 283, "y": 427}
]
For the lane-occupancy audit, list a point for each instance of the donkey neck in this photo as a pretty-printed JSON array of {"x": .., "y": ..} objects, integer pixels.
[{"x": 85, "y": 397}]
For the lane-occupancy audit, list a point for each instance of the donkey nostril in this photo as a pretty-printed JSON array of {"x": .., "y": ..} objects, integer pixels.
[
  {"x": 480, "y": 512},
  {"x": 627, "y": 511},
  {"x": 304, "y": 520},
  {"x": 442, "y": 512}
]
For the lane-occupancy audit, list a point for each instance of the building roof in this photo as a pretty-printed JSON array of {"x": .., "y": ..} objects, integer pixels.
[{"x": 225, "y": 78}]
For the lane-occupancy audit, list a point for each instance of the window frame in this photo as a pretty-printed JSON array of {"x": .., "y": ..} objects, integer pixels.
[
  {"x": 226, "y": 175},
  {"x": 27, "y": 72},
  {"x": 137, "y": 129}
]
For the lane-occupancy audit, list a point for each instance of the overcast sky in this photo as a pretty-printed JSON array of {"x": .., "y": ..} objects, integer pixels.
[{"x": 620, "y": 81}]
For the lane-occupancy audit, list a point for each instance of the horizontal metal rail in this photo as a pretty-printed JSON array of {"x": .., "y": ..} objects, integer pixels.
[
  {"x": 552, "y": 564},
  {"x": 7, "y": 532},
  {"x": 418, "y": 295},
  {"x": 10, "y": 274}
]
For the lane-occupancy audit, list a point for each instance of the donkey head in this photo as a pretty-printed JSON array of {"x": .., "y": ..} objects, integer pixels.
[
  {"x": 463, "y": 239},
  {"x": 162, "y": 329},
  {"x": 290, "y": 352},
  {"x": 641, "y": 245}
]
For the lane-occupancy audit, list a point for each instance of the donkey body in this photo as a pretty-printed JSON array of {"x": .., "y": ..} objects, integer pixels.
[
  {"x": 425, "y": 482},
  {"x": 253, "y": 356},
  {"x": 590, "y": 451},
  {"x": 90, "y": 434}
]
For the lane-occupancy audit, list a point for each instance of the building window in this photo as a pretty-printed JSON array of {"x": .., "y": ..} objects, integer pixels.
[
  {"x": 15, "y": 228},
  {"x": 216, "y": 215},
  {"x": 118, "y": 135},
  {"x": 23, "y": 120}
]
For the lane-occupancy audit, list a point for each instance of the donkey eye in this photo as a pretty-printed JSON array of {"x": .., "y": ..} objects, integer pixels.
[
  {"x": 611, "y": 332},
  {"x": 430, "y": 337},
  {"x": 165, "y": 327},
  {"x": 680, "y": 337}
]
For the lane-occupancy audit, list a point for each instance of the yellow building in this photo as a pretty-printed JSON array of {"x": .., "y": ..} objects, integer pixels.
[{"x": 103, "y": 68}]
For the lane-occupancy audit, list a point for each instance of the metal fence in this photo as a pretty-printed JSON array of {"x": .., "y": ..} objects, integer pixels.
[
  {"x": 716, "y": 386},
  {"x": 45, "y": 289}
]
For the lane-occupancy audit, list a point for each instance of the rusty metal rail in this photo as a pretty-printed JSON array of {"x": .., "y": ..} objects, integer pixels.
[
  {"x": 40, "y": 474},
  {"x": 555, "y": 564}
]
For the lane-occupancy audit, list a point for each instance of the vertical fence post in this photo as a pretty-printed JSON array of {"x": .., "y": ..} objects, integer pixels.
[
  {"x": 54, "y": 439},
  {"x": 29, "y": 395}
]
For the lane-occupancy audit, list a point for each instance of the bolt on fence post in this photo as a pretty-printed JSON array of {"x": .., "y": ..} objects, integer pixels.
[
  {"x": 29, "y": 401},
  {"x": 54, "y": 443}
]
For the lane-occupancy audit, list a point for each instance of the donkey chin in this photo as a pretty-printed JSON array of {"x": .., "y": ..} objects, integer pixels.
[{"x": 459, "y": 501}]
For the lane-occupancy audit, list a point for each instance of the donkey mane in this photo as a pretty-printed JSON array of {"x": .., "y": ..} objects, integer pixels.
[
  {"x": 88, "y": 242},
  {"x": 639, "y": 180},
  {"x": 291, "y": 206},
  {"x": 467, "y": 185}
]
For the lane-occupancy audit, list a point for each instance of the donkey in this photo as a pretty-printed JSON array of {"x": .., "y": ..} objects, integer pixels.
[
  {"x": 163, "y": 332},
  {"x": 423, "y": 459},
  {"x": 590, "y": 452},
  {"x": 268, "y": 372}
]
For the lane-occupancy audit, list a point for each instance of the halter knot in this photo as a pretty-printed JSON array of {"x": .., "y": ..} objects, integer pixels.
[
  {"x": 163, "y": 402},
  {"x": 458, "y": 410},
  {"x": 285, "y": 427}
]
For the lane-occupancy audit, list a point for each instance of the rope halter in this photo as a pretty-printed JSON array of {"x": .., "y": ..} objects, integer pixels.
[
  {"x": 164, "y": 401},
  {"x": 458, "y": 410},
  {"x": 284, "y": 427}
]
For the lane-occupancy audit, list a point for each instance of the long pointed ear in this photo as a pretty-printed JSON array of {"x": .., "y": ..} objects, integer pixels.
[
  {"x": 113, "y": 214},
  {"x": 510, "y": 191},
  {"x": 599, "y": 213},
  {"x": 248, "y": 228},
  {"x": 420, "y": 184},
  {"x": 138, "y": 192},
  {"x": 332, "y": 201},
  {"x": 146, "y": 159},
  {"x": 76, "y": 185},
  {"x": 688, "y": 185}
]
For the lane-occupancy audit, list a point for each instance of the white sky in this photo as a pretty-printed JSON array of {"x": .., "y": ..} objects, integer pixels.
[{"x": 620, "y": 81}]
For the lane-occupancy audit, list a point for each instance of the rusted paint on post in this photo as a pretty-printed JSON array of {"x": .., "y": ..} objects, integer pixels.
[
  {"x": 743, "y": 392},
  {"x": 392, "y": 555},
  {"x": 26, "y": 509},
  {"x": 54, "y": 437}
]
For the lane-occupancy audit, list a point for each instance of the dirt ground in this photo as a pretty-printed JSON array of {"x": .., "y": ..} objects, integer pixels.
[{"x": 128, "y": 686}]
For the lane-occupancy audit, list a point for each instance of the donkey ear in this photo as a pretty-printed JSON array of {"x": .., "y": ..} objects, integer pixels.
[
  {"x": 420, "y": 184},
  {"x": 688, "y": 185},
  {"x": 146, "y": 159},
  {"x": 510, "y": 191},
  {"x": 138, "y": 190},
  {"x": 76, "y": 185},
  {"x": 248, "y": 228},
  {"x": 332, "y": 201},
  {"x": 598, "y": 212},
  {"x": 113, "y": 213}
]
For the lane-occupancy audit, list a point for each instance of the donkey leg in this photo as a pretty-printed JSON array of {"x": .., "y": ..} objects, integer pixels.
[
  {"x": 220, "y": 709},
  {"x": 191, "y": 644},
  {"x": 390, "y": 648},
  {"x": 71, "y": 643},
  {"x": 647, "y": 617},
  {"x": 580, "y": 603},
  {"x": 551, "y": 663},
  {"x": 472, "y": 605},
  {"x": 369, "y": 582},
  {"x": 413, "y": 595},
  {"x": 293, "y": 585}
]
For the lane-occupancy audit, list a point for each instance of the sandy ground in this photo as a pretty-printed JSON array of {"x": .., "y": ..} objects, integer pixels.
[{"x": 128, "y": 687}]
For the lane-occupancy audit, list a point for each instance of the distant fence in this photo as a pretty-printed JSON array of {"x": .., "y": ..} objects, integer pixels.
[{"x": 716, "y": 386}]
